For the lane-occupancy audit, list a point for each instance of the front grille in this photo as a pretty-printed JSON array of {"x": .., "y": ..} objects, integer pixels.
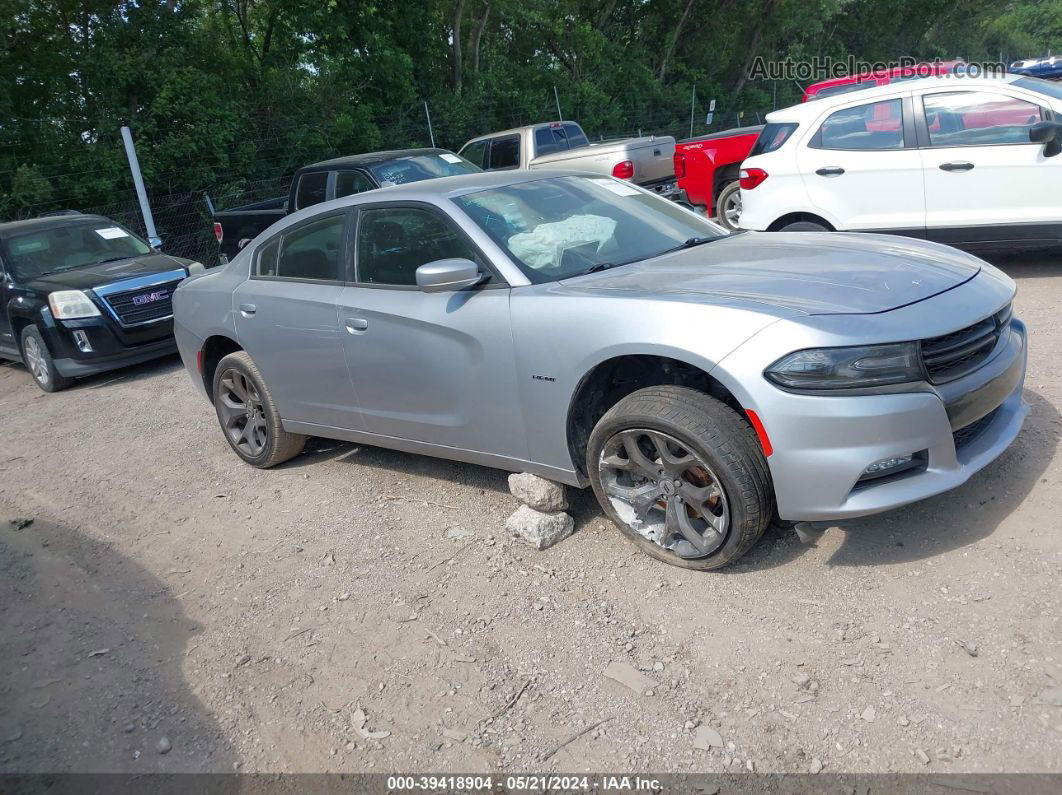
[
  {"x": 144, "y": 304},
  {"x": 968, "y": 433},
  {"x": 960, "y": 352}
]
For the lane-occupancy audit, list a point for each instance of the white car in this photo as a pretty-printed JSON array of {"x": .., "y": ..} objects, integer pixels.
[{"x": 955, "y": 159}]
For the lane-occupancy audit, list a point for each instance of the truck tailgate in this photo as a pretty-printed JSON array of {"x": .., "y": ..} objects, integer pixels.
[{"x": 653, "y": 158}]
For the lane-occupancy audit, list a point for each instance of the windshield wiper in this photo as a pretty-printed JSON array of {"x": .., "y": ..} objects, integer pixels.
[
  {"x": 602, "y": 266},
  {"x": 694, "y": 241}
]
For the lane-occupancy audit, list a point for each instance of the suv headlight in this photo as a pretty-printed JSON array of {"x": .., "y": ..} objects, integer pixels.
[
  {"x": 71, "y": 305},
  {"x": 196, "y": 267},
  {"x": 848, "y": 368}
]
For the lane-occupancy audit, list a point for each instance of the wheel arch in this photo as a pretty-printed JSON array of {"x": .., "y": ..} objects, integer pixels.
[
  {"x": 215, "y": 348},
  {"x": 612, "y": 379},
  {"x": 790, "y": 218}
]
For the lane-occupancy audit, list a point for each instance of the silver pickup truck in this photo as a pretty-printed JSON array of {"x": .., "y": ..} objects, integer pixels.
[{"x": 648, "y": 161}]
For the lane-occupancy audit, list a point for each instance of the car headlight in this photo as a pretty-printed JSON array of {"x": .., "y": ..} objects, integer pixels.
[
  {"x": 71, "y": 305},
  {"x": 196, "y": 267},
  {"x": 848, "y": 368}
]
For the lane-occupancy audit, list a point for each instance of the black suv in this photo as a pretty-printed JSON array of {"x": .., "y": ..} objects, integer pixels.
[{"x": 80, "y": 294}]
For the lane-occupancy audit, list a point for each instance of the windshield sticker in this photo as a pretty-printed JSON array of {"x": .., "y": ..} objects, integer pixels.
[
  {"x": 112, "y": 233},
  {"x": 616, "y": 187},
  {"x": 449, "y": 158},
  {"x": 28, "y": 246}
]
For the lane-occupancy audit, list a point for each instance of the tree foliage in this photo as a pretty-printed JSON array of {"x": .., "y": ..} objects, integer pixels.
[{"x": 229, "y": 96}]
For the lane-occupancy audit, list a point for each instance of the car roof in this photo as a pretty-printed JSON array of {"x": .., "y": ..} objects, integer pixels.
[
  {"x": 12, "y": 228},
  {"x": 372, "y": 158},
  {"x": 804, "y": 110}
]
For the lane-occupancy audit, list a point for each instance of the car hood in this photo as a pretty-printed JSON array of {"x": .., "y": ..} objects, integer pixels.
[
  {"x": 808, "y": 272},
  {"x": 107, "y": 273}
]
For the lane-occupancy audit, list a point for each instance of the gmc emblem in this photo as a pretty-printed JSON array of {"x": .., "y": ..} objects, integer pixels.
[{"x": 150, "y": 298}]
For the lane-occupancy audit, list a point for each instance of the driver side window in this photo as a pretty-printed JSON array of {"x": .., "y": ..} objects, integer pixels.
[{"x": 394, "y": 241}]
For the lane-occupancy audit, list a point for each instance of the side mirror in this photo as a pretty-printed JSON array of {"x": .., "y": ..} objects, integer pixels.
[
  {"x": 1048, "y": 133},
  {"x": 445, "y": 275}
]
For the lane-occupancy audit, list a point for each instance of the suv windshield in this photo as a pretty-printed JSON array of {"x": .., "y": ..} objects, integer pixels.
[
  {"x": 63, "y": 248},
  {"x": 558, "y": 227},
  {"x": 420, "y": 167}
]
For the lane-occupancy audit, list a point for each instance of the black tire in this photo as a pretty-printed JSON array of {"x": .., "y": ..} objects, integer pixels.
[
  {"x": 723, "y": 205},
  {"x": 804, "y": 226},
  {"x": 265, "y": 444},
  {"x": 38, "y": 360},
  {"x": 708, "y": 430}
]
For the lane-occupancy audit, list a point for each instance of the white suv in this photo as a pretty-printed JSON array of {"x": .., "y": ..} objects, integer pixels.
[{"x": 954, "y": 159}]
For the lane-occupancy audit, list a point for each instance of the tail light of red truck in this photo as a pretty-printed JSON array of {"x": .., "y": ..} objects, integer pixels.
[
  {"x": 219, "y": 233},
  {"x": 751, "y": 177},
  {"x": 623, "y": 170},
  {"x": 680, "y": 165}
]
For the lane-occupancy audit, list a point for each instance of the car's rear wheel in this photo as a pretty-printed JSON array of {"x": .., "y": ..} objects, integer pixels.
[
  {"x": 38, "y": 360},
  {"x": 248, "y": 415},
  {"x": 682, "y": 476},
  {"x": 728, "y": 206},
  {"x": 804, "y": 226}
]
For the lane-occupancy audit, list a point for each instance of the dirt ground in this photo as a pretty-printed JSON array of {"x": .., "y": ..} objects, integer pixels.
[{"x": 173, "y": 609}]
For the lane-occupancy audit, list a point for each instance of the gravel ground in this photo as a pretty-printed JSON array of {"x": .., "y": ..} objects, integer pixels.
[{"x": 357, "y": 609}]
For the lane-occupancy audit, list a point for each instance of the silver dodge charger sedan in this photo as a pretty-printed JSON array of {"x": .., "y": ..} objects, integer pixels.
[{"x": 590, "y": 332}]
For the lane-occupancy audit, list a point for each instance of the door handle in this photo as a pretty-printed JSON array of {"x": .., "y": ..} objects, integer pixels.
[
  {"x": 959, "y": 167},
  {"x": 357, "y": 325},
  {"x": 248, "y": 309},
  {"x": 831, "y": 171}
]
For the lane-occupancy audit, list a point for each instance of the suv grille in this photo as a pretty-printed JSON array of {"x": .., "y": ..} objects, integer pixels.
[
  {"x": 144, "y": 304},
  {"x": 954, "y": 355}
]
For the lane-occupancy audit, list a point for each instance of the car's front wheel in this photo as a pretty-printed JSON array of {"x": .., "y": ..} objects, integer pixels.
[
  {"x": 248, "y": 415},
  {"x": 682, "y": 476},
  {"x": 38, "y": 360}
]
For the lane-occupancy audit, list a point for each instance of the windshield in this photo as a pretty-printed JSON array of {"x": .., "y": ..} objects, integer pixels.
[
  {"x": 1053, "y": 90},
  {"x": 420, "y": 167},
  {"x": 566, "y": 226},
  {"x": 64, "y": 248}
]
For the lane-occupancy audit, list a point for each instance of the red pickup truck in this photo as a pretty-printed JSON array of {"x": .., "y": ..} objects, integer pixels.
[{"x": 707, "y": 167}]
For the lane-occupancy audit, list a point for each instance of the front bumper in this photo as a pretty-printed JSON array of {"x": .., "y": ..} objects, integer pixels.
[
  {"x": 823, "y": 444},
  {"x": 110, "y": 347}
]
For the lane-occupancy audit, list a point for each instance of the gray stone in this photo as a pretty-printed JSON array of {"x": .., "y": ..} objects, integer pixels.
[
  {"x": 164, "y": 745},
  {"x": 540, "y": 530},
  {"x": 706, "y": 738},
  {"x": 538, "y": 493}
]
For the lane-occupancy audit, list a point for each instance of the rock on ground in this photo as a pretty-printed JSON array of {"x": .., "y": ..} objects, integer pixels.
[
  {"x": 540, "y": 530},
  {"x": 538, "y": 493}
]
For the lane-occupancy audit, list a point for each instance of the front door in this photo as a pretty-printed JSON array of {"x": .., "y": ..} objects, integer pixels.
[
  {"x": 8, "y": 343},
  {"x": 286, "y": 319},
  {"x": 985, "y": 180},
  {"x": 860, "y": 168},
  {"x": 429, "y": 367}
]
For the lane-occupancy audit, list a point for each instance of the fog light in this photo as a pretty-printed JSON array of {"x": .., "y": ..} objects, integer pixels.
[
  {"x": 894, "y": 465},
  {"x": 82, "y": 340}
]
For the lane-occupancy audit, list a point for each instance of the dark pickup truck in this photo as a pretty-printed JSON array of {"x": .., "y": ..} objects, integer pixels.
[{"x": 332, "y": 179}]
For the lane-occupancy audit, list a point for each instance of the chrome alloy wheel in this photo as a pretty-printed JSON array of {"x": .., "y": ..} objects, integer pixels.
[
  {"x": 38, "y": 364},
  {"x": 242, "y": 414},
  {"x": 664, "y": 492},
  {"x": 731, "y": 210}
]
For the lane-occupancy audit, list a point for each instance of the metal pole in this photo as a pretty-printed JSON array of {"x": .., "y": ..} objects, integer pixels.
[
  {"x": 556, "y": 98},
  {"x": 693, "y": 105},
  {"x": 141, "y": 193},
  {"x": 430, "y": 133}
]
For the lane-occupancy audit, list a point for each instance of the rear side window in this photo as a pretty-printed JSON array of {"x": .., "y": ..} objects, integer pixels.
[
  {"x": 311, "y": 189},
  {"x": 876, "y": 126},
  {"x": 350, "y": 182},
  {"x": 559, "y": 138},
  {"x": 772, "y": 136},
  {"x": 505, "y": 152},
  {"x": 310, "y": 252},
  {"x": 978, "y": 118},
  {"x": 474, "y": 152}
]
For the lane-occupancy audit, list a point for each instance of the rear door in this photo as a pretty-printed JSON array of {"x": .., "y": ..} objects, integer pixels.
[
  {"x": 286, "y": 319},
  {"x": 861, "y": 167},
  {"x": 8, "y": 343},
  {"x": 985, "y": 180}
]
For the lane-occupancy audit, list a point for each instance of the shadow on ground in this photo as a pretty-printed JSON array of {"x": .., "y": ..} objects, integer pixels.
[{"x": 91, "y": 662}]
